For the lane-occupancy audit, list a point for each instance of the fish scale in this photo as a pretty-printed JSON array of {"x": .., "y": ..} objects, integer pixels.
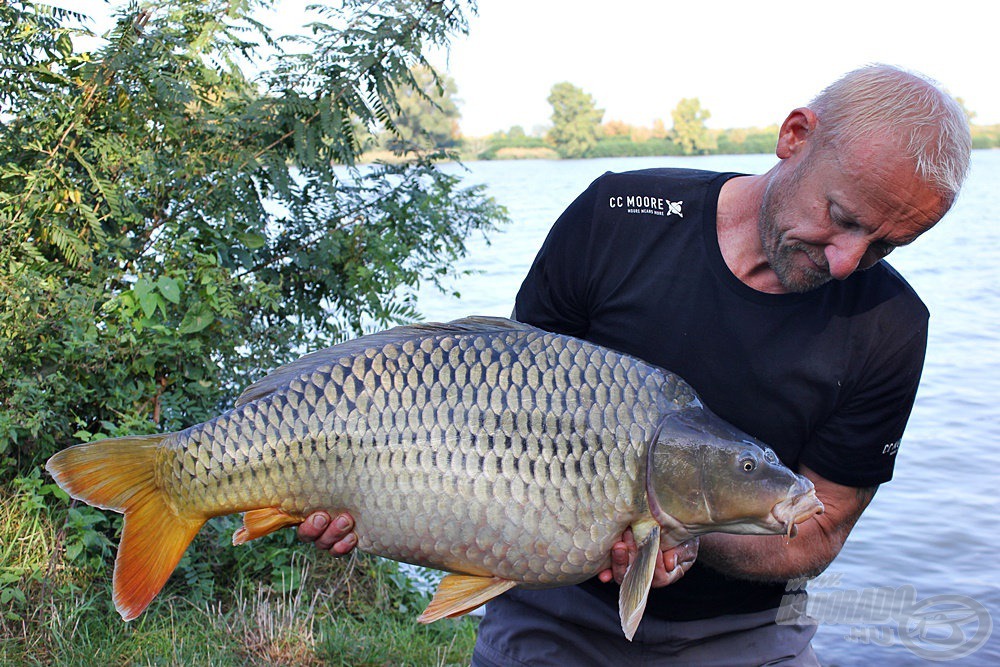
[
  {"x": 542, "y": 421},
  {"x": 483, "y": 447}
]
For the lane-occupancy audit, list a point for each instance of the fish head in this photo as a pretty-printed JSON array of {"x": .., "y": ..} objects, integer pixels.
[{"x": 706, "y": 475}]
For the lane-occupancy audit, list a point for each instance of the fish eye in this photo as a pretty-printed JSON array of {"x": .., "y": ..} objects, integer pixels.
[{"x": 748, "y": 461}]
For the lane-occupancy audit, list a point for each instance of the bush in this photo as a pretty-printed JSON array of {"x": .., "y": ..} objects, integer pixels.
[
  {"x": 497, "y": 144},
  {"x": 625, "y": 147}
]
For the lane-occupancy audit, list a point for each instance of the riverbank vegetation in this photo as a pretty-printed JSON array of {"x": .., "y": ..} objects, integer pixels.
[{"x": 180, "y": 212}]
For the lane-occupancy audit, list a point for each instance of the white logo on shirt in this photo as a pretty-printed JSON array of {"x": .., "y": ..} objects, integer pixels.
[
  {"x": 891, "y": 448},
  {"x": 637, "y": 204}
]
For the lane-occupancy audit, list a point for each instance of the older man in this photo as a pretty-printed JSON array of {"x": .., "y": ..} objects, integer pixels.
[{"x": 769, "y": 295}]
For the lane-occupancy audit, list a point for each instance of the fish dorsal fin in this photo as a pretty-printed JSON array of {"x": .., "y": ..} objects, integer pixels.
[
  {"x": 459, "y": 594},
  {"x": 280, "y": 377},
  {"x": 639, "y": 576}
]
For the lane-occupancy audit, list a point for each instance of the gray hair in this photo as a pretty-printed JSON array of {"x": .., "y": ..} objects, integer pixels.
[{"x": 886, "y": 101}]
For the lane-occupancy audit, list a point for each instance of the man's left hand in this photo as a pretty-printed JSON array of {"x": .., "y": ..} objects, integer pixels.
[{"x": 670, "y": 566}]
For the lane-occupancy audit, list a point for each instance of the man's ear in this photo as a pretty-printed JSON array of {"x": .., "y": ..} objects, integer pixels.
[{"x": 795, "y": 132}]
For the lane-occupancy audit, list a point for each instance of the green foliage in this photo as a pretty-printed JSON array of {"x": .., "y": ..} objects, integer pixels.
[
  {"x": 180, "y": 211},
  {"x": 515, "y": 138},
  {"x": 575, "y": 120},
  {"x": 626, "y": 147},
  {"x": 689, "y": 130},
  {"x": 752, "y": 140},
  {"x": 428, "y": 115},
  {"x": 172, "y": 226},
  {"x": 985, "y": 136}
]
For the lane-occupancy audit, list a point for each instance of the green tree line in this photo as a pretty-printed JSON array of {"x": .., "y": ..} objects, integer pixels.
[{"x": 578, "y": 130}]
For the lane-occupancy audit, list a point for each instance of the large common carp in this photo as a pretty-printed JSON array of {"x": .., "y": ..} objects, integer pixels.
[{"x": 487, "y": 448}]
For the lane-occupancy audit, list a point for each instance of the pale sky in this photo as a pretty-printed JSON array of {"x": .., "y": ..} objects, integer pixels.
[{"x": 749, "y": 63}]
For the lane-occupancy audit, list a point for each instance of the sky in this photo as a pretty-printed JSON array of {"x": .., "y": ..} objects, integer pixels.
[{"x": 748, "y": 62}]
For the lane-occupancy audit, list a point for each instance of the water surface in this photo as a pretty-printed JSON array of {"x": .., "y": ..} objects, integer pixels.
[{"x": 930, "y": 536}]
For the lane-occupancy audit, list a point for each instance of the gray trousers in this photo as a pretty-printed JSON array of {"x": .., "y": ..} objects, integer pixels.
[{"x": 567, "y": 626}]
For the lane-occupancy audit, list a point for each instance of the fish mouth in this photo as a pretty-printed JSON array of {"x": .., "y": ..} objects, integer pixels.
[{"x": 800, "y": 505}]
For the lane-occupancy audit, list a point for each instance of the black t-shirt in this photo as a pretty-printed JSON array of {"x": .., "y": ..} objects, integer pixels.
[{"x": 827, "y": 378}]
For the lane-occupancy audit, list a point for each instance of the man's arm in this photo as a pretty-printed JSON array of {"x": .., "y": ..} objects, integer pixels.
[{"x": 768, "y": 557}]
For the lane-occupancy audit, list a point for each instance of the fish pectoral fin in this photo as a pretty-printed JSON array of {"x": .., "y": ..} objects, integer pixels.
[
  {"x": 638, "y": 577},
  {"x": 264, "y": 521},
  {"x": 459, "y": 594}
]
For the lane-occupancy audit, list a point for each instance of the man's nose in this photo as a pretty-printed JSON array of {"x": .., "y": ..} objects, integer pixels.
[{"x": 844, "y": 256}]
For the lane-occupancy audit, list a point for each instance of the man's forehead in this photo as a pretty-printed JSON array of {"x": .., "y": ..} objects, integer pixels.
[{"x": 880, "y": 181}]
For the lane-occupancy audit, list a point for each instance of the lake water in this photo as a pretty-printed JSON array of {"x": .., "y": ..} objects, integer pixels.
[{"x": 927, "y": 549}]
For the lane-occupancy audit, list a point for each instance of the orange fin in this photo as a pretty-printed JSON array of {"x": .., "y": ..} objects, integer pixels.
[
  {"x": 461, "y": 593},
  {"x": 258, "y": 523},
  {"x": 119, "y": 474}
]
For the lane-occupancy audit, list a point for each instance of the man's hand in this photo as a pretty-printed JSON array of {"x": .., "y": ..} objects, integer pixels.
[
  {"x": 336, "y": 536},
  {"x": 670, "y": 566}
]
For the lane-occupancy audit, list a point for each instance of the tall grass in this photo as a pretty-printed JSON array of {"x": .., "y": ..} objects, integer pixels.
[{"x": 318, "y": 610}]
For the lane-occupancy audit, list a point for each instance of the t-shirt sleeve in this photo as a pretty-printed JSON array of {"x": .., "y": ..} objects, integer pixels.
[
  {"x": 554, "y": 294},
  {"x": 857, "y": 446}
]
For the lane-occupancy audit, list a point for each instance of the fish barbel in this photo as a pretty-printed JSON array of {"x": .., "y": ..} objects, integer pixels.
[{"x": 504, "y": 454}]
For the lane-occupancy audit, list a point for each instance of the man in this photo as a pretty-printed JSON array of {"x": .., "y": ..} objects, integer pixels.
[{"x": 767, "y": 293}]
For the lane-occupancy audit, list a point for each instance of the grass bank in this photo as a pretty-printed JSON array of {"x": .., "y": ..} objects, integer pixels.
[{"x": 288, "y": 605}]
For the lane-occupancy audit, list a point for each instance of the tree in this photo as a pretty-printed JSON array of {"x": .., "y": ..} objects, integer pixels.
[
  {"x": 689, "y": 131},
  {"x": 616, "y": 128},
  {"x": 516, "y": 133},
  {"x": 575, "y": 120},
  {"x": 659, "y": 129},
  {"x": 428, "y": 117},
  {"x": 172, "y": 226}
]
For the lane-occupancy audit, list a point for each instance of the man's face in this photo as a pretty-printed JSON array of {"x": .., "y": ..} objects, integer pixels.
[{"x": 828, "y": 213}]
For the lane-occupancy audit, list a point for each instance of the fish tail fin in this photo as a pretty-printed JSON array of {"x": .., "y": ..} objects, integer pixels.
[{"x": 119, "y": 474}]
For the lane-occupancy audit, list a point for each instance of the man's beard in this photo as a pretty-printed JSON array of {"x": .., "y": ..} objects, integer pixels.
[{"x": 780, "y": 255}]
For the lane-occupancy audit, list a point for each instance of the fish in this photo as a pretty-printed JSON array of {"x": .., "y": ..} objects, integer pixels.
[{"x": 500, "y": 453}]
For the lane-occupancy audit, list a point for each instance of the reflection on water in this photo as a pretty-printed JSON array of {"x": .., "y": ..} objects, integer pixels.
[{"x": 933, "y": 527}]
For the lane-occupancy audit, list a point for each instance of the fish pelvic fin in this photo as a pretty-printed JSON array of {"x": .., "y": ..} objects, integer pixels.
[
  {"x": 639, "y": 576},
  {"x": 264, "y": 521},
  {"x": 119, "y": 474},
  {"x": 459, "y": 594}
]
